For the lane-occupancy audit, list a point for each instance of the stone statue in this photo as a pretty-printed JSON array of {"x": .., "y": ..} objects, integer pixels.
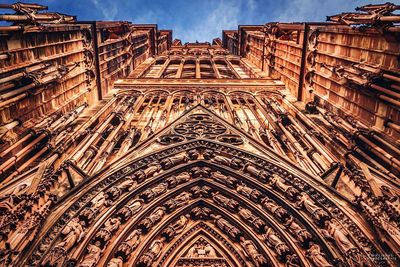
[
  {"x": 226, "y": 180},
  {"x": 251, "y": 219},
  {"x": 150, "y": 171},
  {"x": 115, "y": 262},
  {"x": 248, "y": 192},
  {"x": 150, "y": 194},
  {"x": 148, "y": 222},
  {"x": 272, "y": 239},
  {"x": 169, "y": 162},
  {"x": 316, "y": 256},
  {"x": 73, "y": 233},
  {"x": 98, "y": 201},
  {"x": 230, "y": 204},
  {"x": 252, "y": 252},
  {"x": 338, "y": 234},
  {"x": 92, "y": 256},
  {"x": 317, "y": 213},
  {"x": 302, "y": 235},
  {"x": 129, "y": 245},
  {"x": 228, "y": 228},
  {"x": 152, "y": 253},
  {"x": 234, "y": 163},
  {"x": 105, "y": 233},
  {"x": 179, "y": 201},
  {"x": 279, "y": 183},
  {"x": 261, "y": 175},
  {"x": 176, "y": 227},
  {"x": 179, "y": 179},
  {"x": 280, "y": 213}
]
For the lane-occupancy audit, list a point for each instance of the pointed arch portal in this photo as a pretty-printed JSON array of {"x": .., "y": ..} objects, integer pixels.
[{"x": 203, "y": 200}]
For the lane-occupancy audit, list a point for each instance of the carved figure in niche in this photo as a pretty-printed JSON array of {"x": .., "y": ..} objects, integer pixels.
[
  {"x": 316, "y": 256},
  {"x": 152, "y": 253},
  {"x": 252, "y": 252},
  {"x": 280, "y": 213},
  {"x": 133, "y": 239},
  {"x": 248, "y": 192},
  {"x": 302, "y": 235},
  {"x": 272, "y": 239},
  {"x": 179, "y": 179},
  {"x": 317, "y": 213},
  {"x": 98, "y": 201},
  {"x": 279, "y": 183},
  {"x": 92, "y": 256},
  {"x": 157, "y": 190},
  {"x": 292, "y": 261},
  {"x": 148, "y": 222},
  {"x": 115, "y": 262},
  {"x": 251, "y": 219},
  {"x": 234, "y": 163},
  {"x": 73, "y": 233},
  {"x": 200, "y": 172},
  {"x": 105, "y": 233},
  {"x": 230, "y": 204},
  {"x": 141, "y": 175},
  {"x": 129, "y": 210},
  {"x": 261, "y": 175},
  {"x": 226, "y": 180},
  {"x": 176, "y": 228},
  {"x": 179, "y": 201},
  {"x": 228, "y": 228},
  {"x": 130, "y": 244},
  {"x": 169, "y": 162},
  {"x": 338, "y": 234}
]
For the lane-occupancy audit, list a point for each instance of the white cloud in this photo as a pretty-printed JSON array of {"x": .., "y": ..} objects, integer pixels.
[
  {"x": 222, "y": 16},
  {"x": 108, "y": 8}
]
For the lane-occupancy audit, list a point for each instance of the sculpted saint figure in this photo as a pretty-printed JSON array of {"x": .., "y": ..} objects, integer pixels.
[
  {"x": 251, "y": 219},
  {"x": 228, "y": 228},
  {"x": 228, "y": 181},
  {"x": 318, "y": 213},
  {"x": 275, "y": 209},
  {"x": 92, "y": 256},
  {"x": 300, "y": 233},
  {"x": 153, "y": 169},
  {"x": 250, "y": 193},
  {"x": 115, "y": 262},
  {"x": 98, "y": 201},
  {"x": 179, "y": 179},
  {"x": 169, "y": 162},
  {"x": 153, "y": 218},
  {"x": 337, "y": 233},
  {"x": 279, "y": 183},
  {"x": 252, "y": 252},
  {"x": 150, "y": 194},
  {"x": 230, "y": 204},
  {"x": 129, "y": 245},
  {"x": 316, "y": 256},
  {"x": 73, "y": 233},
  {"x": 272, "y": 239}
]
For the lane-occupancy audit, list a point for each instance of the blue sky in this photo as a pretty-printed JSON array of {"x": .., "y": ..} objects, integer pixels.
[{"x": 201, "y": 20}]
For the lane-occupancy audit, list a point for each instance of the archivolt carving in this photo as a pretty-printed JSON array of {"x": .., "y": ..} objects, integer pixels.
[{"x": 146, "y": 201}]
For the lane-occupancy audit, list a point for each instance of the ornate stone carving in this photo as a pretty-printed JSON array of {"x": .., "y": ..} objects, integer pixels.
[
  {"x": 147, "y": 223},
  {"x": 251, "y": 251}
]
